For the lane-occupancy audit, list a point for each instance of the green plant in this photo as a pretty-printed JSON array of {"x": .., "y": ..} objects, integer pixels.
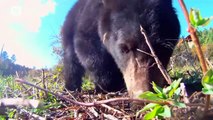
[
  {"x": 207, "y": 83},
  {"x": 8, "y": 86},
  {"x": 196, "y": 19},
  {"x": 87, "y": 84},
  {"x": 187, "y": 74},
  {"x": 161, "y": 100},
  {"x": 11, "y": 113},
  {"x": 48, "y": 103},
  {"x": 206, "y": 36},
  {"x": 46, "y": 108},
  {"x": 3, "y": 117}
]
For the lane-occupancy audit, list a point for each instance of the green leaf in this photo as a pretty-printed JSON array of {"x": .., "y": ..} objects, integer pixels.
[
  {"x": 166, "y": 112},
  {"x": 150, "y": 96},
  {"x": 196, "y": 19},
  {"x": 147, "y": 107},
  {"x": 191, "y": 17},
  {"x": 207, "y": 91},
  {"x": 207, "y": 80},
  {"x": 175, "y": 84},
  {"x": 207, "y": 86},
  {"x": 204, "y": 22},
  {"x": 11, "y": 113},
  {"x": 177, "y": 93},
  {"x": 158, "y": 90},
  {"x": 167, "y": 89},
  {"x": 179, "y": 104},
  {"x": 153, "y": 113}
]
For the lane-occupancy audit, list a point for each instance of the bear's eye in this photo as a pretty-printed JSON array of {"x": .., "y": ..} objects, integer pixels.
[{"x": 124, "y": 48}]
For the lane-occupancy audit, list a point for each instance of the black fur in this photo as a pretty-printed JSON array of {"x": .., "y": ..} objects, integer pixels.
[{"x": 85, "y": 48}]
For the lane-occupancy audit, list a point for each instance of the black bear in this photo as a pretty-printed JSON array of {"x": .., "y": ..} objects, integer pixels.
[{"x": 103, "y": 38}]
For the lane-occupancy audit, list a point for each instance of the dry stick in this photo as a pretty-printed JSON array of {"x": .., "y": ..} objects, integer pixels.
[
  {"x": 14, "y": 102},
  {"x": 209, "y": 63},
  {"x": 43, "y": 82},
  {"x": 199, "y": 52},
  {"x": 112, "y": 109},
  {"x": 95, "y": 102},
  {"x": 184, "y": 93},
  {"x": 92, "y": 110},
  {"x": 110, "y": 117},
  {"x": 144, "y": 52},
  {"x": 25, "y": 88},
  {"x": 102, "y": 101},
  {"x": 29, "y": 89},
  {"x": 37, "y": 117},
  {"x": 159, "y": 64}
]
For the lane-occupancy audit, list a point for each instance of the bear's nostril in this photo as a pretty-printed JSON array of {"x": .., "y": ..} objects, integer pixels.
[{"x": 124, "y": 48}]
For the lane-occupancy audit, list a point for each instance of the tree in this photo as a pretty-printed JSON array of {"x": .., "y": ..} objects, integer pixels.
[
  {"x": 13, "y": 58},
  {"x": 206, "y": 36},
  {"x": 4, "y": 56}
]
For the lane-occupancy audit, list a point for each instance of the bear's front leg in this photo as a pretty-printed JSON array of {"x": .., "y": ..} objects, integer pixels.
[{"x": 98, "y": 63}]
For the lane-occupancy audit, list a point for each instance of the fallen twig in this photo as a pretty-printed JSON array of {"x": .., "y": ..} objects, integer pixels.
[
  {"x": 110, "y": 117},
  {"x": 14, "y": 102},
  {"x": 95, "y": 103},
  {"x": 43, "y": 82},
  {"x": 209, "y": 63},
  {"x": 25, "y": 88},
  {"x": 37, "y": 117},
  {"x": 92, "y": 110},
  {"x": 184, "y": 93},
  {"x": 112, "y": 109}
]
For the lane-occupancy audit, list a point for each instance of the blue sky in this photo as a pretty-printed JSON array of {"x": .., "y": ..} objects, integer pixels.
[{"x": 28, "y": 27}]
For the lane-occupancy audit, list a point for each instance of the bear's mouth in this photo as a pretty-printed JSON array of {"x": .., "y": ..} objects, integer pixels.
[{"x": 136, "y": 78}]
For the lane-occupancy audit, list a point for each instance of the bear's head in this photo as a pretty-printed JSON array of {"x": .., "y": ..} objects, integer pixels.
[{"x": 119, "y": 28}]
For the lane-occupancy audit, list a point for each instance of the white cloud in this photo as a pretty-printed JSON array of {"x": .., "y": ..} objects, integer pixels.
[
  {"x": 27, "y": 13},
  {"x": 19, "y": 23}
]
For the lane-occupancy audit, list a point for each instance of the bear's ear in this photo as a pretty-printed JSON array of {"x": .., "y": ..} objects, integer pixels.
[{"x": 113, "y": 4}]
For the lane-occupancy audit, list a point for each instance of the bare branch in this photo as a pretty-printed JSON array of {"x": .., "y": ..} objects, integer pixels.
[
  {"x": 112, "y": 109},
  {"x": 110, "y": 117},
  {"x": 95, "y": 103},
  {"x": 37, "y": 117},
  {"x": 184, "y": 93},
  {"x": 195, "y": 39},
  {"x": 159, "y": 64},
  {"x": 144, "y": 52},
  {"x": 209, "y": 63}
]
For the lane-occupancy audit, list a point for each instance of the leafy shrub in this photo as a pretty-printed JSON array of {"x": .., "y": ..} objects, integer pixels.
[{"x": 87, "y": 84}]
